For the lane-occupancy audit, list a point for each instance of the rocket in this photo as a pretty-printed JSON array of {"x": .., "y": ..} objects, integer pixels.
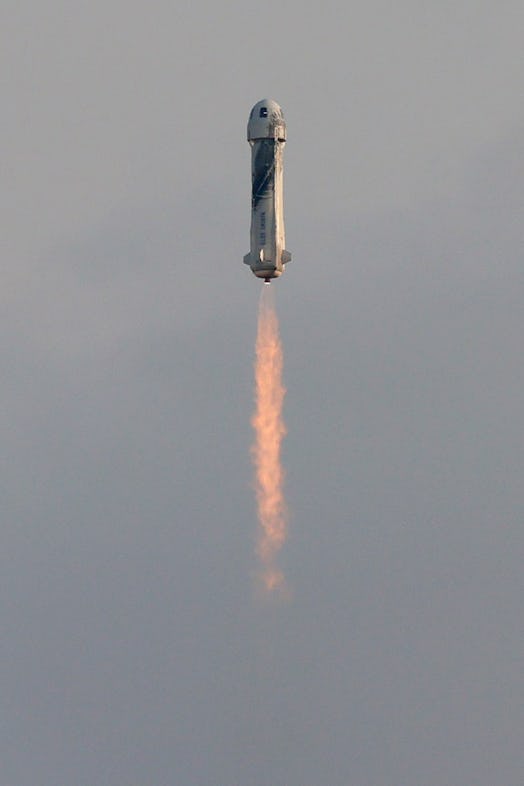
[{"x": 266, "y": 134}]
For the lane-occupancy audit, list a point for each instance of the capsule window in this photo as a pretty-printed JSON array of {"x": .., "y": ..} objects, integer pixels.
[{"x": 263, "y": 111}]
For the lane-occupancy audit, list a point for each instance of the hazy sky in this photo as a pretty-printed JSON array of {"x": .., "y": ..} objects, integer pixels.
[{"x": 133, "y": 652}]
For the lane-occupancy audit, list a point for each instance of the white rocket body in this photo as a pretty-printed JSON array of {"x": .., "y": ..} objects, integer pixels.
[{"x": 266, "y": 133}]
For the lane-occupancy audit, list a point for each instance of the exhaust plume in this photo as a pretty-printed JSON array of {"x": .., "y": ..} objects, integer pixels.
[{"x": 268, "y": 424}]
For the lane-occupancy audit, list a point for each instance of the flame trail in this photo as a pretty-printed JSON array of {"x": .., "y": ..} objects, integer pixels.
[{"x": 268, "y": 424}]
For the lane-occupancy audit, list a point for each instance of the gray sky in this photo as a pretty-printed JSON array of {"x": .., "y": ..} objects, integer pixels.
[{"x": 133, "y": 650}]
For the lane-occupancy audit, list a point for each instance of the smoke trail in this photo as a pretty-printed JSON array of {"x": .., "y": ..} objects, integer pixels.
[{"x": 269, "y": 428}]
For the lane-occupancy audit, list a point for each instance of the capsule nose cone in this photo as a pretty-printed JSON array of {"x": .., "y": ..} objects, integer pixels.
[
  {"x": 266, "y": 120},
  {"x": 266, "y": 103}
]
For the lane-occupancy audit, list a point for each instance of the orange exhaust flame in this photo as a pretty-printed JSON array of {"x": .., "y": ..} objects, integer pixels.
[{"x": 269, "y": 428}]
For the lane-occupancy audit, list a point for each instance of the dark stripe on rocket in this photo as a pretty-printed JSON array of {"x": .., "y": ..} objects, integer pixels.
[{"x": 263, "y": 170}]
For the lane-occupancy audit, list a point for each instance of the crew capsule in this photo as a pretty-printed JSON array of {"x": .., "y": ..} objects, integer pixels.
[{"x": 266, "y": 121}]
